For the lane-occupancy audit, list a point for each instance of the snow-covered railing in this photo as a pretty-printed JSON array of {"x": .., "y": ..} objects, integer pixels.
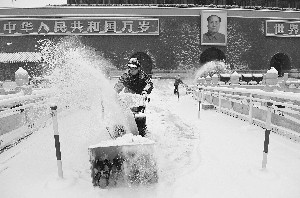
[
  {"x": 252, "y": 81},
  {"x": 251, "y": 105},
  {"x": 21, "y": 115}
]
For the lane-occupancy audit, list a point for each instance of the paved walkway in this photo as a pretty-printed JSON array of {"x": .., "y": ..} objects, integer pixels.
[
  {"x": 229, "y": 157},
  {"x": 216, "y": 156}
]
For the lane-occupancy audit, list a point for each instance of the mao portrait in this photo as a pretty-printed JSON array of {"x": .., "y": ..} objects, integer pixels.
[{"x": 213, "y": 28}]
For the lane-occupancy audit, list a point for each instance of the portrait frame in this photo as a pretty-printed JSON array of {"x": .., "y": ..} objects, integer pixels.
[{"x": 223, "y": 26}]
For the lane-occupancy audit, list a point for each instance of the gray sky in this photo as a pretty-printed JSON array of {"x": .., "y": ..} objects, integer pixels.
[{"x": 30, "y": 3}]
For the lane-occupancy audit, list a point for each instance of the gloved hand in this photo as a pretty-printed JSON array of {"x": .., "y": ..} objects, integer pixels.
[{"x": 144, "y": 93}]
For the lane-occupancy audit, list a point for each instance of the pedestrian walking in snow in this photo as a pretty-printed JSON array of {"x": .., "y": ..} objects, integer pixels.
[{"x": 176, "y": 83}]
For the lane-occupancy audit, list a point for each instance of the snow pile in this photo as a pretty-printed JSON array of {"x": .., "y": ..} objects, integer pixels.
[
  {"x": 272, "y": 71},
  {"x": 235, "y": 74},
  {"x": 257, "y": 75},
  {"x": 21, "y": 71},
  {"x": 211, "y": 68},
  {"x": 130, "y": 138},
  {"x": 127, "y": 139}
]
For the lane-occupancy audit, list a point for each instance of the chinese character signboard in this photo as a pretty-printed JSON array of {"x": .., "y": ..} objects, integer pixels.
[
  {"x": 213, "y": 27},
  {"x": 282, "y": 28},
  {"x": 79, "y": 26}
]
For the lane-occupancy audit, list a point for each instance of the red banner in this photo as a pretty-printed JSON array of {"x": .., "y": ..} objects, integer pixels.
[
  {"x": 282, "y": 28},
  {"x": 79, "y": 26}
]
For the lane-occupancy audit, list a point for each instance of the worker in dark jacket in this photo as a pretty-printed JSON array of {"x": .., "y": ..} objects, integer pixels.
[{"x": 134, "y": 81}]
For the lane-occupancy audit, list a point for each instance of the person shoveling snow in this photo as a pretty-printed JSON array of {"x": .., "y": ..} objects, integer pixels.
[
  {"x": 137, "y": 82},
  {"x": 128, "y": 158}
]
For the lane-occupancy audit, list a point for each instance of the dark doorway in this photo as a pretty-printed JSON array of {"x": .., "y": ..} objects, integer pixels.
[
  {"x": 146, "y": 62},
  {"x": 212, "y": 54},
  {"x": 280, "y": 62}
]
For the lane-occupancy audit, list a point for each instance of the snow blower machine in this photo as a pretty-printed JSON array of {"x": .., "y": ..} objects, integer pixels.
[{"x": 128, "y": 158}]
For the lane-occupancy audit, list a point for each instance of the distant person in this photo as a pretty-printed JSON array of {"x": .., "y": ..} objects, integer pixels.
[
  {"x": 176, "y": 83},
  {"x": 213, "y": 35}
]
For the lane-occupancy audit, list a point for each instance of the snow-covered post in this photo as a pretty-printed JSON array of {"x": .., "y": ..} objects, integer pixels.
[
  {"x": 202, "y": 96},
  {"x": 215, "y": 79},
  {"x": 199, "y": 80},
  {"x": 2, "y": 91},
  {"x": 250, "y": 108},
  {"x": 202, "y": 81},
  {"x": 264, "y": 79},
  {"x": 198, "y": 94},
  {"x": 234, "y": 79},
  {"x": 271, "y": 79},
  {"x": 220, "y": 100},
  {"x": 200, "y": 101},
  {"x": 102, "y": 108},
  {"x": 272, "y": 76},
  {"x": 195, "y": 93},
  {"x": 208, "y": 80},
  {"x": 199, "y": 107},
  {"x": 267, "y": 135},
  {"x": 285, "y": 77},
  {"x": 271, "y": 84},
  {"x": 56, "y": 138},
  {"x": 22, "y": 81},
  {"x": 283, "y": 84}
]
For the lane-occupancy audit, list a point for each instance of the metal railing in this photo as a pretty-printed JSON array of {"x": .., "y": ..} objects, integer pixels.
[
  {"x": 252, "y": 105},
  {"x": 21, "y": 115}
]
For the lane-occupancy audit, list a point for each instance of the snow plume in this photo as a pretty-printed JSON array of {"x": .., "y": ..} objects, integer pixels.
[
  {"x": 211, "y": 68},
  {"x": 76, "y": 73}
]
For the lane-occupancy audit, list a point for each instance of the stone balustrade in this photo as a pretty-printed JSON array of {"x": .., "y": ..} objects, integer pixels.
[{"x": 268, "y": 81}]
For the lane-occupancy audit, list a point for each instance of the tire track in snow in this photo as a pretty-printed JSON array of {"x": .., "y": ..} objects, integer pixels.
[{"x": 176, "y": 142}]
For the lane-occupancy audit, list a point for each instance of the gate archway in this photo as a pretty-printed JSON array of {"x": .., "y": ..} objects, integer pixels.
[
  {"x": 280, "y": 62},
  {"x": 146, "y": 61},
  {"x": 212, "y": 54}
]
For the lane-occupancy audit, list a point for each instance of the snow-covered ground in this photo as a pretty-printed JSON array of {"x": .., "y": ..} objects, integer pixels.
[{"x": 215, "y": 156}]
